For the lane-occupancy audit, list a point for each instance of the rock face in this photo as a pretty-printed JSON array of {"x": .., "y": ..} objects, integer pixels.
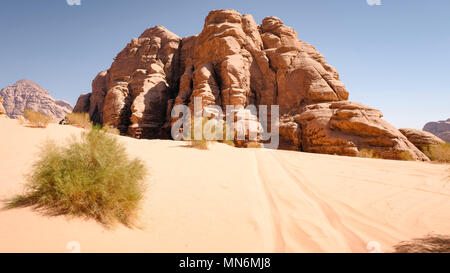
[
  {"x": 83, "y": 103},
  {"x": 421, "y": 139},
  {"x": 440, "y": 129},
  {"x": 25, "y": 94},
  {"x": 234, "y": 61}
]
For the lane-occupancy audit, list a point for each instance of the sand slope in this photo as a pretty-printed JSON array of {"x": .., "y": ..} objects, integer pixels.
[{"x": 237, "y": 200}]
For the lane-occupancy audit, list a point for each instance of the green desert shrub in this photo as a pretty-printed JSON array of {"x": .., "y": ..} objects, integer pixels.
[
  {"x": 439, "y": 152},
  {"x": 90, "y": 177},
  {"x": 428, "y": 244},
  {"x": 36, "y": 119},
  {"x": 81, "y": 120}
]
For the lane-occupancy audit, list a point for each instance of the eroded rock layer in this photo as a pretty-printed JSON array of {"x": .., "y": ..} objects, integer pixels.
[{"x": 234, "y": 61}]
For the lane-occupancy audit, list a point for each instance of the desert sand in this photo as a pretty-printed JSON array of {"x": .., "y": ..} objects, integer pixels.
[{"x": 236, "y": 200}]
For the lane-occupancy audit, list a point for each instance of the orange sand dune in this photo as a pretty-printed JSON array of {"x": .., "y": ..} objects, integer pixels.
[{"x": 237, "y": 200}]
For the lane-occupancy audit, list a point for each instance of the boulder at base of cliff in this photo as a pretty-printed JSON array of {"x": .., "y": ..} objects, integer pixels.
[{"x": 345, "y": 128}]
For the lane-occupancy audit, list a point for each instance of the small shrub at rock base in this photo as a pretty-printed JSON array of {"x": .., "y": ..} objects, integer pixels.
[
  {"x": 81, "y": 120},
  {"x": 36, "y": 119}
]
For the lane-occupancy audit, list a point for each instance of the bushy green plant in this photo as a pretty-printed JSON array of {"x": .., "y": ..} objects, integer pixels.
[
  {"x": 438, "y": 152},
  {"x": 37, "y": 119},
  {"x": 81, "y": 120},
  {"x": 90, "y": 177}
]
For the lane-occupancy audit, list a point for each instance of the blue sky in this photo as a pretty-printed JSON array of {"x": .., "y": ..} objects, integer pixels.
[{"x": 394, "y": 57}]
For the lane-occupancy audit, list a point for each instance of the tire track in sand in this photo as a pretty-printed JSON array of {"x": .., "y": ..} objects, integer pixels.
[
  {"x": 302, "y": 221},
  {"x": 355, "y": 242}
]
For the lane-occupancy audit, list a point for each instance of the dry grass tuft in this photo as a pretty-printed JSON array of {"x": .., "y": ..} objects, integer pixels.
[
  {"x": 203, "y": 143},
  {"x": 22, "y": 120},
  {"x": 110, "y": 130},
  {"x": 254, "y": 145},
  {"x": 81, "y": 120},
  {"x": 366, "y": 153},
  {"x": 37, "y": 119},
  {"x": 199, "y": 144},
  {"x": 428, "y": 244},
  {"x": 439, "y": 152},
  {"x": 406, "y": 156}
]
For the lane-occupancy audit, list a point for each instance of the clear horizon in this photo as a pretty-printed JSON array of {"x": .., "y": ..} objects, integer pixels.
[{"x": 393, "y": 56}]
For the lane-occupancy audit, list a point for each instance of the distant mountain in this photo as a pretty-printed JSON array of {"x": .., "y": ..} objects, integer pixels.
[
  {"x": 439, "y": 128},
  {"x": 26, "y": 94}
]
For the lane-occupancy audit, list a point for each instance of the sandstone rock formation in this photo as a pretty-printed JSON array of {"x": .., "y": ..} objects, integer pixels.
[
  {"x": 25, "y": 94},
  {"x": 440, "y": 129},
  {"x": 421, "y": 139},
  {"x": 235, "y": 61},
  {"x": 345, "y": 128},
  {"x": 83, "y": 103}
]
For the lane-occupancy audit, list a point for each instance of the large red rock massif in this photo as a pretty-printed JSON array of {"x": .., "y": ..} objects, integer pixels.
[
  {"x": 26, "y": 94},
  {"x": 235, "y": 61}
]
